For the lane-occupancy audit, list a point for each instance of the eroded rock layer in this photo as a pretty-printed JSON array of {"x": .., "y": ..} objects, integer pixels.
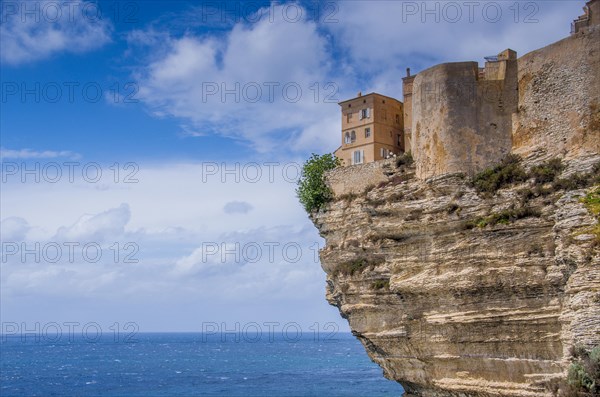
[{"x": 450, "y": 307}]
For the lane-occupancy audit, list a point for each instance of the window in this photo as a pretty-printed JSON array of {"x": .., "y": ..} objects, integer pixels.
[
  {"x": 348, "y": 117},
  {"x": 347, "y": 138},
  {"x": 384, "y": 153},
  {"x": 399, "y": 140},
  {"x": 350, "y": 137},
  {"x": 357, "y": 157},
  {"x": 365, "y": 113},
  {"x": 367, "y": 132},
  {"x": 397, "y": 119}
]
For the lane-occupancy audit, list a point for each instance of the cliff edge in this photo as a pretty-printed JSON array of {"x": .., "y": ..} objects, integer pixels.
[{"x": 479, "y": 287}]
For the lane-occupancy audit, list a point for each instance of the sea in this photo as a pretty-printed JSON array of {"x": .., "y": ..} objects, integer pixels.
[{"x": 190, "y": 364}]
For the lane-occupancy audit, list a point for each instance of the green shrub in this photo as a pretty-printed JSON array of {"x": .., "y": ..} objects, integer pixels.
[
  {"x": 579, "y": 181},
  {"x": 548, "y": 171},
  {"x": 592, "y": 201},
  {"x": 404, "y": 159},
  {"x": 312, "y": 191},
  {"x": 357, "y": 265},
  {"x": 575, "y": 181},
  {"x": 514, "y": 214},
  {"x": 504, "y": 217},
  {"x": 381, "y": 284},
  {"x": 583, "y": 378},
  {"x": 509, "y": 171},
  {"x": 595, "y": 175}
]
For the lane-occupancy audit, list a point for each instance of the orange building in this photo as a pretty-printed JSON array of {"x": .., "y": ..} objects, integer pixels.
[{"x": 372, "y": 129}]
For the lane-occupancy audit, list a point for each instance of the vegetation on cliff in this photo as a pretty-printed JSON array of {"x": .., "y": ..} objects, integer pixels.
[
  {"x": 507, "y": 172},
  {"x": 592, "y": 202},
  {"x": 540, "y": 180},
  {"x": 312, "y": 190},
  {"x": 463, "y": 278},
  {"x": 404, "y": 159},
  {"x": 544, "y": 178},
  {"x": 583, "y": 378}
]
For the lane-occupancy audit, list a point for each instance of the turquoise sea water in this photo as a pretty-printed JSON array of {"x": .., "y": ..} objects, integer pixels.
[{"x": 179, "y": 364}]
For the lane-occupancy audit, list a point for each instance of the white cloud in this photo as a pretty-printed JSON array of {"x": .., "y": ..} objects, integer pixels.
[
  {"x": 31, "y": 31},
  {"x": 13, "y": 229},
  {"x": 237, "y": 207},
  {"x": 263, "y": 83},
  {"x": 172, "y": 214},
  {"x": 26, "y": 154},
  {"x": 378, "y": 35},
  {"x": 97, "y": 228},
  {"x": 375, "y": 41}
]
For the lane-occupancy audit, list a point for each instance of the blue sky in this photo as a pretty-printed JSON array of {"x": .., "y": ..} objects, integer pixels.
[{"x": 163, "y": 116}]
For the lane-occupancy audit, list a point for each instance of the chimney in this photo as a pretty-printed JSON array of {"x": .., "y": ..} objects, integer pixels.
[
  {"x": 407, "y": 72},
  {"x": 359, "y": 93}
]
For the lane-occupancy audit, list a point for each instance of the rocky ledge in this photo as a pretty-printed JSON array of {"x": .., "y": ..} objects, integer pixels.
[{"x": 459, "y": 292}]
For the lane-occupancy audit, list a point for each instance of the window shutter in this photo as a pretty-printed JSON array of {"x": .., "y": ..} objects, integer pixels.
[
  {"x": 368, "y": 112},
  {"x": 360, "y": 115},
  {"x": 362, "y": 156}
]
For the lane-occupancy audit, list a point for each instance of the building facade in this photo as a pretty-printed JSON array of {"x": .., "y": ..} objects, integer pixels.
[
  {"x": 458, "y": 117},
  {"x": 372, "y": 129}
]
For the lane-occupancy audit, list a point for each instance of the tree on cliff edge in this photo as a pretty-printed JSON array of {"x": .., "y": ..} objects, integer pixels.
[{"x": 312, "y": 191}]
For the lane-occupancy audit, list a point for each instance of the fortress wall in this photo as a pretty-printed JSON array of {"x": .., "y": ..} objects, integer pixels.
[
  {"x": 497, "y": 101},
  {"x": 559, "y": 99},
  {"x": 594, "y": 13},
  {"x": 407, "y": 87},
  {"x": 356, "y": 178},
  {"x": 460, "y": 124}
]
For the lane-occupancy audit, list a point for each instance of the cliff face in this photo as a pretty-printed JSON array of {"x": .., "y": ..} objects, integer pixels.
[
  {"x": 455, "y": 293},
  {"x": 447, "y": 307}
]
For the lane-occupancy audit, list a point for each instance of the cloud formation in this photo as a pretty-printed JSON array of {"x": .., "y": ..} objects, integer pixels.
[
  {"x": 100, "y": 227},
  {"x": 13, "y": 229},
  {"x": 32, "y": 31},
  {"x": 186, "y": 251},
  {"x": 237, "y": 207},
  {"x": 27, "y": 154},
  {"x": 267, "y": 84}
]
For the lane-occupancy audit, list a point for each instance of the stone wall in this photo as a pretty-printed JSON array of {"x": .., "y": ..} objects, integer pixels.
[
  {"x": 355, "y": 179},
  {"x": 459, "y": 122},
  {"x": 545, "y": 104},
  {"x": 559, "y": 99}
]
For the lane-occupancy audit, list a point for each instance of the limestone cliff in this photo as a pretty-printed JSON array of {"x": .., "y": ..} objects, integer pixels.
[
  {"x": 455, "y": 292},
  {"x": 445, "y": 306}
]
